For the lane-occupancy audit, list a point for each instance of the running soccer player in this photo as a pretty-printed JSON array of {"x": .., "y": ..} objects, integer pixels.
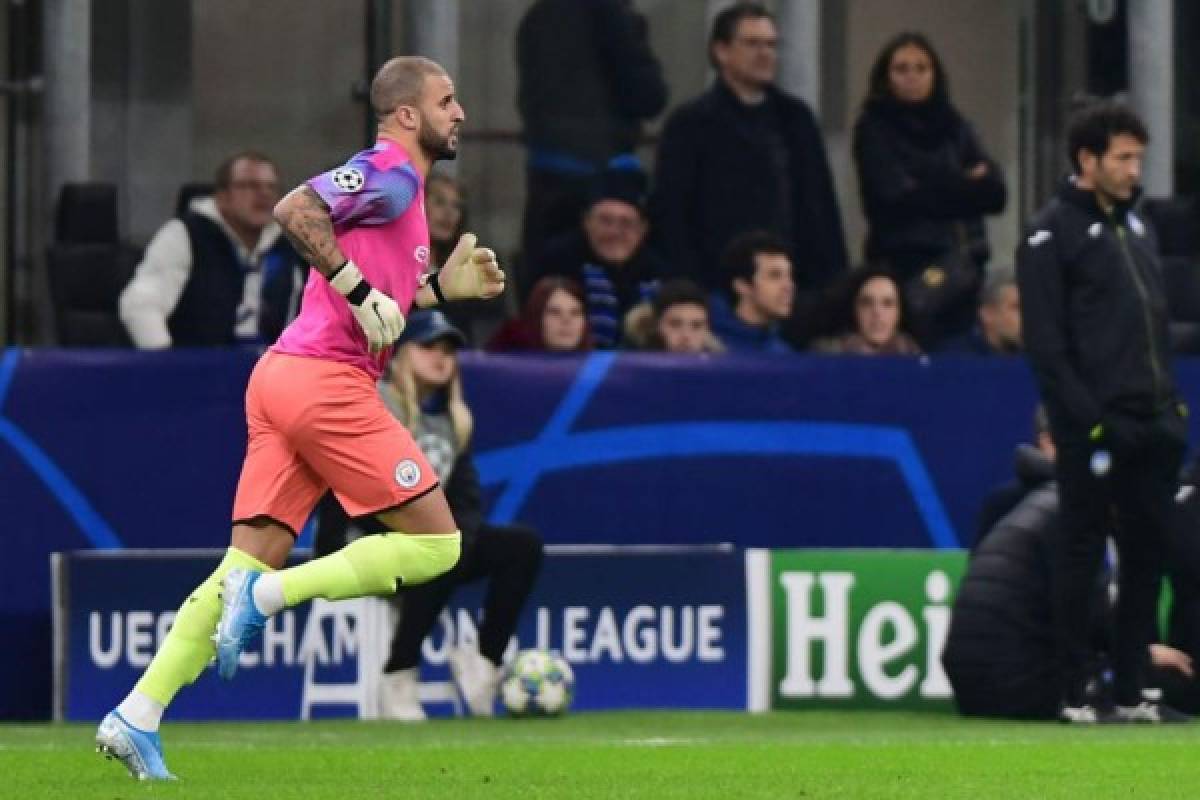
[{"x": 314, "y": 417}]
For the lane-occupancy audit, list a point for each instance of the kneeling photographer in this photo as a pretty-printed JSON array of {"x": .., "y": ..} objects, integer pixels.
[{"x": 1000, "y": 651}]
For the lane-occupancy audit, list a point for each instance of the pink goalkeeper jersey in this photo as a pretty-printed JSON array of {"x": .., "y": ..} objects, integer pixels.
[{"x": 377, "y": 201}]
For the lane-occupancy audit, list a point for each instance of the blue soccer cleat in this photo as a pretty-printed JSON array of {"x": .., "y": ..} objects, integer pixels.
[
  {"x": 240, "y": 620},
  {"x": 140, "y": 751}
]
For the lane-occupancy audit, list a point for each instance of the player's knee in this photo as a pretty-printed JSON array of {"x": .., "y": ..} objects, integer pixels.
[
  {"x": 444, "y": 552},
  {"x": 439, "y": 554}
]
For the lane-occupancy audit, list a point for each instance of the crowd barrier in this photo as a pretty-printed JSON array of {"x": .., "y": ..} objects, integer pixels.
[
  {"x": 119, "y": 449},
  {"x": 642, "y": 627}
]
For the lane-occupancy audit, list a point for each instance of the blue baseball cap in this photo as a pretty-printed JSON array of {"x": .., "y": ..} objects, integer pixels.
[{"x": 427, "y": 326}]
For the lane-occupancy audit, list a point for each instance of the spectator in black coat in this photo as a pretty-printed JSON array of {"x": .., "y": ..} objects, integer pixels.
[
  {"x": 607, "y": 254},
  {"x": 925, "y": 181},
  {"x": 586, "y": 81},
  {"x": 746, "y": 156}
]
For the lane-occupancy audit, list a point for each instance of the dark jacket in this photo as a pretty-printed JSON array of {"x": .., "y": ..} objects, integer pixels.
[
  {"x": 1184, "y": 570},
  {"x": 737, "y": 336},
  {"x": 1002, "y": 613},
  {"x": 1033, "y": 469},
  {"x": 1094, "y": 313},
  {"x": 912, "y": 164},
  {"x": 971, "y": 343},
  {"x": 586, "y": 78},
  {"x": 725, "y": 168}
]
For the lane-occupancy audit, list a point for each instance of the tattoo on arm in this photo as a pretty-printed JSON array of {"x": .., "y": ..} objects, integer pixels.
[{"x": 305, "y": 220}]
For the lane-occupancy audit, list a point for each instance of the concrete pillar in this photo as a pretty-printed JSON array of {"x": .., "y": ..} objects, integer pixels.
[
  {"x": 67, "y": 36},
  {"x": 431, "y": 30},
  {"x": 1152, "y": 87},
  {"x": 711, "y": 9},
  {"x": 158, "y": 150},
  {"x": 800, "y": 49}
]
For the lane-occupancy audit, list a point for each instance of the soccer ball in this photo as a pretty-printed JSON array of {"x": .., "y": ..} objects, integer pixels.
[{"x": 538, "y": 683}]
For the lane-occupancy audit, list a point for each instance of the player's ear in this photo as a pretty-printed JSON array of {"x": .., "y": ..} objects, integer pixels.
[{"x": 408, "y": 117}]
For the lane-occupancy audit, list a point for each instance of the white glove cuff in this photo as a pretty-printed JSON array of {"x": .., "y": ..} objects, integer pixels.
[{"x": 346, "y": 279}]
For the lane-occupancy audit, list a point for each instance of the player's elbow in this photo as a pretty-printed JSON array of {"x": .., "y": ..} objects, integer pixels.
[{"x": 284, "y": 209}]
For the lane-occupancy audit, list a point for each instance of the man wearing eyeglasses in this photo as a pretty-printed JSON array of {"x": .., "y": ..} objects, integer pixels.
[
  {"x": 222, "y": 274},
  {"x": 745, "y": 156}
]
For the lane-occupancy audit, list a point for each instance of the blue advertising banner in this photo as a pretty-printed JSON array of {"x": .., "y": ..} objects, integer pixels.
[
  {"x": 641, "y": 627},
  {"x": 112, "y": 449}
]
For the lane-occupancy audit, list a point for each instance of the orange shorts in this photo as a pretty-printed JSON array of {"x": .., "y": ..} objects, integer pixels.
[{"x": 314, "y": 425}]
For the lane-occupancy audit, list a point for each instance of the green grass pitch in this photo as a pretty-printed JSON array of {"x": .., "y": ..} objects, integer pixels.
[{"x": 624, "y": 755}]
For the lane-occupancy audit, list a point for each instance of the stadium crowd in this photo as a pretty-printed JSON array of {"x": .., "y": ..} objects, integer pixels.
[
  {"x": 740, "y": 208},
  {"x": 740, "y": 211}
]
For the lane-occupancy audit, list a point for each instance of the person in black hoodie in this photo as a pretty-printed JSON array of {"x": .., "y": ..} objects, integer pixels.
[
  {"x": 586, "y": 81},
  {"x": 926, "y": 183},
  {"x": 1095, "y": 328},
  {"x": 747, "y": 156}
]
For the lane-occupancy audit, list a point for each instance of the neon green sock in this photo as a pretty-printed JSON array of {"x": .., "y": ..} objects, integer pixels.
[
  {"x": 371, "y": 566},
  {"x": 189, "y": 647}
]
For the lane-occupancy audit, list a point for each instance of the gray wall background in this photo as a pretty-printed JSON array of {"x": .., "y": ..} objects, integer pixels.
[
  {"x": 5, "y": 155},
  {"x": 176, "y": 85}
]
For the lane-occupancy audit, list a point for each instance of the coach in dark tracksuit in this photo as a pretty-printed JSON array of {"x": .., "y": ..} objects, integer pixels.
[{"x": 1095, "y": 324}]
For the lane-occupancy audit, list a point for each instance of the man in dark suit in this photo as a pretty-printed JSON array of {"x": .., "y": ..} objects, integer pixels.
[{"x": 745, "y": 156}]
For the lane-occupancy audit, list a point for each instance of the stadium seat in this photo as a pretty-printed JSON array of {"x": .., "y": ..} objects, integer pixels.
[
  {"x": 1181, "y": 279},
  {"x": 86, "y": 214},
  {"x": 189, "y": 192},
  {"x": 88, "y": 266},
  {"x": 1174, "y": 219},
  {"x": 85, "y": 282}
]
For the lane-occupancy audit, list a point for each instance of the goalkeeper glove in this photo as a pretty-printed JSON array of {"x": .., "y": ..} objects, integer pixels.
[
  {"x": 470, "y": 272},
  {"x": 376, "y": 313}
]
